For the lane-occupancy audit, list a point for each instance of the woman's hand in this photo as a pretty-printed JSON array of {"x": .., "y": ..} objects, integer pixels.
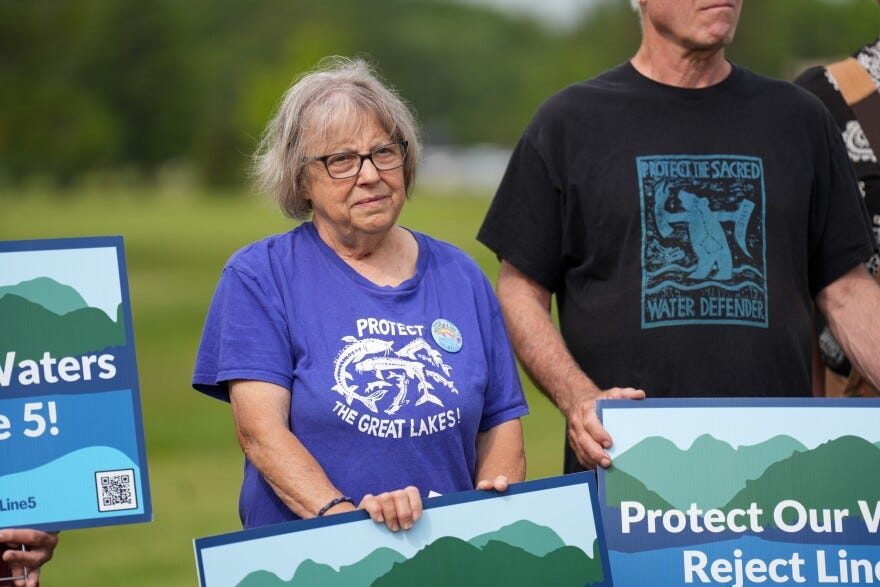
[
  {"x": 500, "y": 484},
  {"x": 501, "y": 459},
  {"x": 397, "y": 509},
  {"x": 39, "y": 547}
]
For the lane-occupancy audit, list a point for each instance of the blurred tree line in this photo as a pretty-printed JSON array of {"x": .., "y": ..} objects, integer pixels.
[{"x": 95, "y": 86}]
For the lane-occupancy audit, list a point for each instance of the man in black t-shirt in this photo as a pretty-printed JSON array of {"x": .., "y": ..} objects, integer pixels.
[{"x": 679, "y": 208}]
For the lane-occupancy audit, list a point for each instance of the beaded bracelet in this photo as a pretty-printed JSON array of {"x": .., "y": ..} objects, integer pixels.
[{"x": 333, "y": 502}]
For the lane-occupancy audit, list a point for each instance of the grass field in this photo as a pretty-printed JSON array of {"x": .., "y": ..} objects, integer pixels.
[{"x": 175, "y": 247}]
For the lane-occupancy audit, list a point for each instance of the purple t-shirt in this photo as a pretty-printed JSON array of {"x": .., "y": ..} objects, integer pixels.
[{"x": 389, "y": 385}]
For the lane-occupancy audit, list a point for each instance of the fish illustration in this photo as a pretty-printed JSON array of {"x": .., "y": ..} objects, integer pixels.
[
  {"x": 352, "y": 353},
  {"x": 371, "y": 399},
  {"x": 401, "y": 393},
  {"x": 419, "y": 348},
  {"x": 446, "y": 332},
  {"x": 442, "y": 380},
  {"x": 411, "y": 369}
]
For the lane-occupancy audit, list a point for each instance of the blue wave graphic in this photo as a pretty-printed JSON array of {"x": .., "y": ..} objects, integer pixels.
[
  {"x": 745, "y": 268},
  {"x": 64, "y": 489},
  {"x": 672, "y": 267},
  {"x": 83, "y": 420},
  {"x": 703, "y": 285},
  {"x": 685, "y": 269}
]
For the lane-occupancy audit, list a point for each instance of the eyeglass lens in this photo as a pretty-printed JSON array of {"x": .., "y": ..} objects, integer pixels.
[{"x": 384, "y": 158}]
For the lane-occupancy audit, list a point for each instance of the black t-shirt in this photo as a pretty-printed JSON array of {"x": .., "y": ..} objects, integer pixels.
[{"x": 683, "y": 231}]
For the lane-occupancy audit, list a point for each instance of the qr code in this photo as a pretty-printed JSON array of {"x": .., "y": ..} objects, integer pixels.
[{"x": 116, "y": 490}]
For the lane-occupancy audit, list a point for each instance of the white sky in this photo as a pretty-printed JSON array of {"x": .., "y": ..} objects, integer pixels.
[{"x": 554, "y": 12}]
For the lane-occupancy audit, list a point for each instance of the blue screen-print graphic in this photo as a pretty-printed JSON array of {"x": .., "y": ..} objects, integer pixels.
[{"x": 703, "y": 257}]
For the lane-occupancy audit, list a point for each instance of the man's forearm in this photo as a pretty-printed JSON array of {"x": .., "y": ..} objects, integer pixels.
[
  {"x": 852, "y": 307},
  {"x": 538, "y": 343}
]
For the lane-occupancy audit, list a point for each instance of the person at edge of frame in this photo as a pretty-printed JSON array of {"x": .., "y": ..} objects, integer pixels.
[
  {"x": 835, "y": 369},
  {"x": 23, "y": 552}
]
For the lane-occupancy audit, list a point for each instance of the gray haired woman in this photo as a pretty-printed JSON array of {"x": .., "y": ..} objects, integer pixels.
[{"x": 368, "y": 365}]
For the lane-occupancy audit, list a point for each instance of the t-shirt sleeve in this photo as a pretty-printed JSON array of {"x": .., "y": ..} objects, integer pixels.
[
  {"x": 840, "y": 229},
  {"x": 504, "y": 398},
  {"x": 524, "y": 223},
  {"x": 245, "y": 336}
]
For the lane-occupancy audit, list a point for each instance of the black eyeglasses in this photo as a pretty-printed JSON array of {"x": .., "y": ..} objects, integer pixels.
[{"x": 345, "y": 165}]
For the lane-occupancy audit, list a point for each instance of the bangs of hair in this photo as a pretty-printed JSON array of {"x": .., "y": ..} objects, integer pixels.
[
  {"x": 340, "y": 115},
  {"x": 323, "y": 106}
]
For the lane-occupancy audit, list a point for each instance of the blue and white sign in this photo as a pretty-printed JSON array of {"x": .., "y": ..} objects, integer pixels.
[
  {"x": 542, "y": 532},
  {"x": 742, "y": 492},
  {"x": 71, "y": 432}
]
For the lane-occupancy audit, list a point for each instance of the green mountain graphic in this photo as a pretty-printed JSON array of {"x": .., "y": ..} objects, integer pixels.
[
  {"x": 621, "y": 486},
  {"x": 30, "y": 330},
  {"x": 531, "y": 537},
  {"x": 661, "y": 465},
  {"x": 850, "y": 471},
  {"x": 45, "y": 291},
  {"x": 262, "y": 579},
  {"x": 361, "y": 573},
  {"x": 450, "y": 561}
]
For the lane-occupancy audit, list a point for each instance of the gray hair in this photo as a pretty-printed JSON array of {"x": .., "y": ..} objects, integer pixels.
[
  {"x": 338, "y": 93},
  {"x": 638, "y": 10}
]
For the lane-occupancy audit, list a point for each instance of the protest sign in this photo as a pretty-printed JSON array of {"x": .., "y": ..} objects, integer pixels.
[
  {"x": 742, "y": 492},
  {"x": 540, "y": 532},
  {"x": 71, "y": 432}
]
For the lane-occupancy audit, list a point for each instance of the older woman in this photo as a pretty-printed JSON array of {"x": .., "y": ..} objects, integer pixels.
[{"x": 367, "y": 365}]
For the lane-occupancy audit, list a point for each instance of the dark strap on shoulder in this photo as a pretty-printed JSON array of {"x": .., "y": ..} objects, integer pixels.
[{"x": 860, "y": 93}]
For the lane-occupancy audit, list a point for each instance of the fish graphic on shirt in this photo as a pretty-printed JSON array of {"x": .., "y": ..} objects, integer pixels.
[{"x": 355, "y": 351}]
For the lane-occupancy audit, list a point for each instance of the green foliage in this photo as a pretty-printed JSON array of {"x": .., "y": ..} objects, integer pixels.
[
  {"x": 95, "y": 86},
  {"x": 779, "y": 38}
]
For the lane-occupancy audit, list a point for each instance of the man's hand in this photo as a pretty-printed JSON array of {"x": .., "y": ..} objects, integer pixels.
[{"x": 588, "y": 438}]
